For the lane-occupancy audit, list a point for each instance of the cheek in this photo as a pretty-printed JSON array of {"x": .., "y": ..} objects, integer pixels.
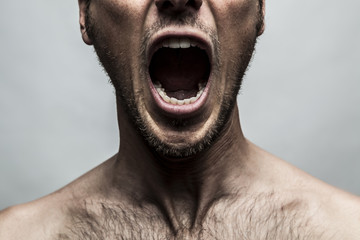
[
  {"x": 118, "y": 27},
  {"x": 236, "y": 26},
  {"x": 234, "y": 13},
  {"x": 120, "y": 9},
  {"x": 119, "y": 20},
  {"x": 236, "y": 23}
]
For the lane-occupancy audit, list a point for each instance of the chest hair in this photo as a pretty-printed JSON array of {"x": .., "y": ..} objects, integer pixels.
[{"x": 261, "y": 216}]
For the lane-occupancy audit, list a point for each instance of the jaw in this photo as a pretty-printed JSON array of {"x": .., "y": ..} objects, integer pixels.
[{"x": 174, "y": 128}]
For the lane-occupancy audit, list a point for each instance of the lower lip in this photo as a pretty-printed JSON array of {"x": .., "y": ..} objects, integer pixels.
[{"x": 180, "y": 110}]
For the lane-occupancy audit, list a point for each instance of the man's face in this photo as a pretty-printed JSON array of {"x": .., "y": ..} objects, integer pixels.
[{"x": 176, "y": 65}]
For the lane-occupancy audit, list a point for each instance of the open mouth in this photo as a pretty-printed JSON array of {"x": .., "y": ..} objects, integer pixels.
[{"x": 179, "y": 70}]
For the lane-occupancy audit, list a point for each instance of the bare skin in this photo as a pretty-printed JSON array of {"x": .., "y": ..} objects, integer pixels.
[{"x": 180, "y": 186}]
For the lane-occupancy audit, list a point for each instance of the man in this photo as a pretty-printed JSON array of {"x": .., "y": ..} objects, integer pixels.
[{"x": 184, "y": 170}]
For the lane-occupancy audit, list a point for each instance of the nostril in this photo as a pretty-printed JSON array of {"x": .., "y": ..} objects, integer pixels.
[
  {"x": 167, "y": 5},
  {"x": 163, "y": 4},
  {"x": 194, "y": 3},
  {"x": 176, "y": 6}
]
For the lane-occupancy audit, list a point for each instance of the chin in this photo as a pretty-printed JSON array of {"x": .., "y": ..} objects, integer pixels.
[{"x": 175, "y": 87}]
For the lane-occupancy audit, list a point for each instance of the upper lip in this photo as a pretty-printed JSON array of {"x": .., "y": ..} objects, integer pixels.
[{"x": 202, "y": 40}]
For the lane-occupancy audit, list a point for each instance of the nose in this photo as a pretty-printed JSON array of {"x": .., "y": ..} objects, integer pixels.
[{"x": 177, "y": 6}]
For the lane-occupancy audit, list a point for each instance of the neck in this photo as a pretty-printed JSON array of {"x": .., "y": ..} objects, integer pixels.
[{"x": 193, "y": 183}]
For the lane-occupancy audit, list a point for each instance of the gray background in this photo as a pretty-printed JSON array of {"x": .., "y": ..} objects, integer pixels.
[{"x": 57, "y": 112}]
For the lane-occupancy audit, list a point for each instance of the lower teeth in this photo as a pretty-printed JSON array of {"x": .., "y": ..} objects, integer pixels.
[{"x": 175, "y": 101}]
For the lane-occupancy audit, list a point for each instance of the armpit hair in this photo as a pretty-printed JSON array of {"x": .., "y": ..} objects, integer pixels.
[{"x": 262, "y": 216}]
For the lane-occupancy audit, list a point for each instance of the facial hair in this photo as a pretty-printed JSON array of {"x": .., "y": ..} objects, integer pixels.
[{"x": 126, "y": 97}]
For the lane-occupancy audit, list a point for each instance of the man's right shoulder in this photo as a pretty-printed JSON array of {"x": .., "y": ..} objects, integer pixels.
[
  {"x": 15, "y": 223},
  {"x": 28, "y": 221}
]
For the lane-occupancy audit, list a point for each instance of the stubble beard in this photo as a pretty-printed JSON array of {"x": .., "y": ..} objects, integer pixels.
[{"x": 125, "y": 95}]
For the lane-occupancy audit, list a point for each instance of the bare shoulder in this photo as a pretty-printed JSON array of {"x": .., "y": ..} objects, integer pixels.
[
  {"x": 299, "y": 194},
  {"x": 9, "y": 223},
  {"x": 331, "y": 207},
  {"x": 335, "y": 211},
  {"x": 27, "y": 221},
  {"x": 38, "y": 220},
  {"x": 42, "y": 218},
  {"x": 342, "y": 212}
]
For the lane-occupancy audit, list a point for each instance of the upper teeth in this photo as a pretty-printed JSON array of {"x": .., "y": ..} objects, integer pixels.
[
  {"x": 179, "y": 43},
  {"x": 175, "y": 101}
]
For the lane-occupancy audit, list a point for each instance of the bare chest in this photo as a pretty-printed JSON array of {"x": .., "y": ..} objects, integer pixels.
[{"x": 248, "y": 220}]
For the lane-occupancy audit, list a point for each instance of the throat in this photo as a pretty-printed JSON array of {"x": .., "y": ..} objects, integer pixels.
[
  {"x": 180, "y": 73},
  {"x": 184, "y": 197}
]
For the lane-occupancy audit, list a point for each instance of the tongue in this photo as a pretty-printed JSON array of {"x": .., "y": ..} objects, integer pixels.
[
  {"x": 180, "y": 70},
  {"x": 182, "y": 94}
]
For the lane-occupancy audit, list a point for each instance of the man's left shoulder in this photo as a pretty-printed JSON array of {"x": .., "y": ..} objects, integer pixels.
[
  {"x": 348, "y": 208},
  {"x": 339, "y": 211}
]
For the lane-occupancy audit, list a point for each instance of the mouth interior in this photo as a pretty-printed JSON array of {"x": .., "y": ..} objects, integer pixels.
[{"x": 180, "y": 71}]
